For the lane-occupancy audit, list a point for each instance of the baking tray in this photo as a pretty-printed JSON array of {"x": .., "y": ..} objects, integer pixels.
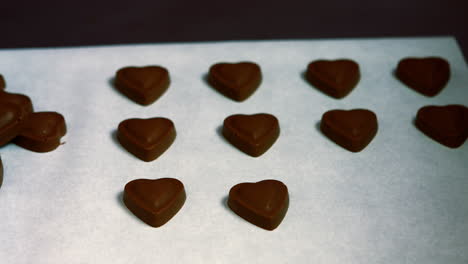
[{"x": 403, "y": 199}]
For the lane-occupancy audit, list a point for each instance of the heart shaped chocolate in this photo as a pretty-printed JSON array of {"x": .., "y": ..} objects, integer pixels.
[
  {"x": 263, "y": 203},
  {"x": 337, "y": 78},
  {"x": 2, "y": 83},
  {"x": 447, "y": 125},
  {"x": 252, "y": 134},
  {"x": 427, "y": 76},
  {"x": 143, "y": 85},
  {"x": 42, "y": 132},
  {"x": 147, "y": 139},
  {"x": 353, "y": 129},
  {"x": 237, "y": 81},
  {"x": 11, "y": 121},
  {"x": 155, "y": 202}
]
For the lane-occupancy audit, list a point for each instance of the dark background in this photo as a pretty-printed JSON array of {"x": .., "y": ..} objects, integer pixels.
[{"x": 78, "y": 23}]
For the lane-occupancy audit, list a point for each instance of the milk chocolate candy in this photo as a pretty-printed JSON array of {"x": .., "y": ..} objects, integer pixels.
[
  {"x": 147, "y": 139},
  {"x": 2, "y": 83},
  {"x": 447, "y": 125},
  {"x": 353, "y": 129},
  {"x": 237, "y": 81},
  {"x": 427, "y": 76},
  {"x": 42, "y": 132},
  {"x": 336, "y": 78},
  {"x": 263, "y": 203},
  {"x": 11, "y": 122},
  {"x": 1, "y": 172},
  {"x": 155, "y": 202},
  {"x": 143, "y": 85},
  {"x": 252, "y": 134},
  {"x": 14, "y": 110}
]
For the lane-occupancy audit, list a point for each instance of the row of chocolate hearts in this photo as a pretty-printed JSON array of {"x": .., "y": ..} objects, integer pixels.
[
  {"x": 254, "y": 134},
  {"x": 238, "y": 81},
  {"x": 155, "y": 202},
  {"x": 147, "y": 139}
]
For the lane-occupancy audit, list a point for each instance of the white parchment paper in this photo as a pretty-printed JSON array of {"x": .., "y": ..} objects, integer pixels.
[{"x": 403, "y": 199}]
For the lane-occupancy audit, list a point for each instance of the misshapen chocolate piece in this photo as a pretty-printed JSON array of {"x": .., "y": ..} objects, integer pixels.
[
  {"x": 252, "y": 134},
  {"x": 14, "y": 109},
  {"x": 447, "y": 125},
  {"x": 337, "y": 78},
  {"x": 2, "y": 83},
  {"x": 1, "y": 172},
  {"x": 263, "y": 203},
  {"x": 42, "y": 132},
  {"x": 143, "y": 85},
  {"x": 11, "y": 121},
  {"x": 427, "y": 76},
  {"x": 237, "y": 81},
  {"x": 147, "y": 139},
  {"x": 353, "y": 129},
  {"x": 155, "y": 202}
]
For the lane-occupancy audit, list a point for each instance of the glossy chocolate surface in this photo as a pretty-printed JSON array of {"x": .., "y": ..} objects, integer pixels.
[
  {"x": 143, "y": 85},
  {"x": 263, "y": 203},
  {"x": 447, "y": 125},
  {"x": 427, "y": 76},
  {"x": 155, "y": 202},
  {"x": 353, "y": 129},
  {"x": 252, "y": 134},
  {"x": 336, "y": 78},
  {"x": 1, "y": 172},
  {"x": 147, "y": 139},
  {"x": 2, "y": 82},
  {"x": 42, "y": 132},
  {"x": 23, "y": 101},
  {"x": 237, "y": 81}
]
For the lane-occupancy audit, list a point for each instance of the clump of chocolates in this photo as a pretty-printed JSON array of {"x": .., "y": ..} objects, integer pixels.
[{"x": 35, "y": 131}]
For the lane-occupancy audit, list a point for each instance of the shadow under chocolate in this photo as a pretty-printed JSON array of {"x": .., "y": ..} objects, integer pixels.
[
  {"x": 219, "y": 131},
  {"x": 114, "y": 138},
  {"x": 224, "y": 203},
  {"x": 206, "y": 80},
  {"x": 111, "y": 82},
  {"x": 319, "y": 130},
  {"x": 120, "y": 201},
  {"x": 304, "y": 76}
]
